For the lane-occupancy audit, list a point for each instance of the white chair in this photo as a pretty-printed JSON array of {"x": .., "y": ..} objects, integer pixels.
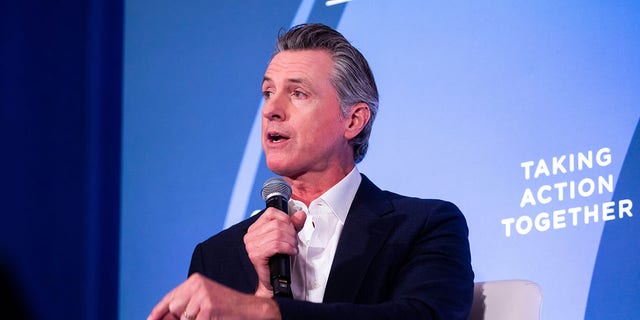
[{"x": 506, "y": 300}]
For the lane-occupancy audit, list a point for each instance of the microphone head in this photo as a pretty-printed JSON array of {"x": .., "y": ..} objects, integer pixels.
[{"x": 276, "y": 187}]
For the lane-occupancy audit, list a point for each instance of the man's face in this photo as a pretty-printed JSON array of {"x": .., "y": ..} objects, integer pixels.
[{"x": 303, "y": 128}]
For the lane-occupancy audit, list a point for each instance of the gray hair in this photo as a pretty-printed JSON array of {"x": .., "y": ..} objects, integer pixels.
[{"x": 352, "y": 78}]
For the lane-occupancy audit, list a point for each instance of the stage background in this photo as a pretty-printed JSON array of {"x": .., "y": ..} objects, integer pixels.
[
  {"x": 129, "y": 134},
  {"x": 470, "y": 94}
]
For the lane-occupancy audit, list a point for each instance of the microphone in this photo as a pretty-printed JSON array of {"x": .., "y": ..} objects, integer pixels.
[{"x": 276, "y": 193}]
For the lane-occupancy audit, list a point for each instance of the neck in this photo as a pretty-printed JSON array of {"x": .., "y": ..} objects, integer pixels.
[{"x": 311, "y": 186}]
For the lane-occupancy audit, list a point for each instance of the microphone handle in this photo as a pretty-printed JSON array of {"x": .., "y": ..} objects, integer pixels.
[{"x": 280, "y": 264}]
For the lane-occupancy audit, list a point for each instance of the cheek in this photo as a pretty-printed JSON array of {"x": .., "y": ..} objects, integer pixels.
[
  {"x": 320, "y": 127},
  {"x": 325, "y": 135}
]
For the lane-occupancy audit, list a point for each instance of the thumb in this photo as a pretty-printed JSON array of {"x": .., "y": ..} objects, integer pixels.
[{"x": 298, "y": 219}]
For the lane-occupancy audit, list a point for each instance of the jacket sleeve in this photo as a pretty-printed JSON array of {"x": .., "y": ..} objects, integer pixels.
[{"x": 223, "y": 258}]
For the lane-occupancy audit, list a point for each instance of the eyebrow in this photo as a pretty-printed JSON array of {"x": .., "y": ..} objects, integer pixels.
[{"x": 292, "y": 80}]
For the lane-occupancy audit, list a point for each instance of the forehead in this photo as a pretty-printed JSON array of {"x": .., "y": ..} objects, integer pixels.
[{"x": 311, "y": 65}]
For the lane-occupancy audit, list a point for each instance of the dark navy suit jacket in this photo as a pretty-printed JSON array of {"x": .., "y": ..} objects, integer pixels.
[{"x": 397, "y": 258}]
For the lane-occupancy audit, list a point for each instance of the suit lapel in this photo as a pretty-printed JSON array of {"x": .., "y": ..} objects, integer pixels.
[{"x": 363, "y": 235}]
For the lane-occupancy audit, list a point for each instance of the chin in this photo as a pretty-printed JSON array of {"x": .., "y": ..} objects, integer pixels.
[{"x": 277, "y": 167}]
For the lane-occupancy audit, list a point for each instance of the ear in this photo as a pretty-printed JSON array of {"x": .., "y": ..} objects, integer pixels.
[{"x": 356, "y": 120}]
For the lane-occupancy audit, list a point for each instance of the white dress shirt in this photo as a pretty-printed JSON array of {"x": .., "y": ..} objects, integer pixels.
[{"x": 318, "y": 239}]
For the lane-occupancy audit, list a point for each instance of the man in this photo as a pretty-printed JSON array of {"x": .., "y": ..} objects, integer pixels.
[{"x": 357, "y": 252}]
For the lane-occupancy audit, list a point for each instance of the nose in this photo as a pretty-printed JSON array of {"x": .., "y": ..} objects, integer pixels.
[{"x": 274, "y": 108}]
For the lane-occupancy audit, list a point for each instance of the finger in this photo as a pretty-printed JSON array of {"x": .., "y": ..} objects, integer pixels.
[
  {"x": 190, "y": 315},
  {"x": 192, "y": 308},
  {"x": 192, "y": 311},
  {"x": 271, "y": 239},
  {"x": 275, "y": 230},
  {"x": 260, "y": 254},
  {"x": 270, "y": 230},
  {"x": 162, "y": 308},
  {"x": 275, "y": 213},
  {"x": 194, "y": 288},
  {"x": 268, "y": 215},
  {"x": 170, "y": 316},
  {"x": 158, "y": 313},
  {"x": 298, "y": 219},
  {"x": 182, "y": 295}
]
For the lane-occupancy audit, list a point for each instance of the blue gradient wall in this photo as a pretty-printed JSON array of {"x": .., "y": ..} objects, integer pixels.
[{"x": 490, "y": 105}]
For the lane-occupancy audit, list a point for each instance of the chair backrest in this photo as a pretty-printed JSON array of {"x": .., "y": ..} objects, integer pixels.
[{"x": 506, "y": 300}]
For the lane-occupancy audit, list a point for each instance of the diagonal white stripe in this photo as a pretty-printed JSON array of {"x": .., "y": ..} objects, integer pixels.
[
  {"x": 330, "y": 3},
  {"x": 246, "y": 174}
]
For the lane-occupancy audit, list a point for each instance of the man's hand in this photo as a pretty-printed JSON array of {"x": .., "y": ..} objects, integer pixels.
[
  {"x": 274, "y": 232},
  {"x": 200, "y": 298}
]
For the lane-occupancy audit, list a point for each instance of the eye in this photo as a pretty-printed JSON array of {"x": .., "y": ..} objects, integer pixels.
[
  {"x": 299, "y": 94},
  {"x": 267, "y": 94}
]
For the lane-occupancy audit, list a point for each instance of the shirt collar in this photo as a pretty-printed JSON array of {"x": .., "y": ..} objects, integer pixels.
[{"x": 340, "y": 196}]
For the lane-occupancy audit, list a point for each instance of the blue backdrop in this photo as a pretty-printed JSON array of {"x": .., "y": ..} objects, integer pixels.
[
  {"x": 129, "y": 134},
  {"x": 521, "y": 113}
]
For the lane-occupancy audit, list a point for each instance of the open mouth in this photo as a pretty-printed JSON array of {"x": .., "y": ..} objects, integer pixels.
[{"x": 276, "y": 137}]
